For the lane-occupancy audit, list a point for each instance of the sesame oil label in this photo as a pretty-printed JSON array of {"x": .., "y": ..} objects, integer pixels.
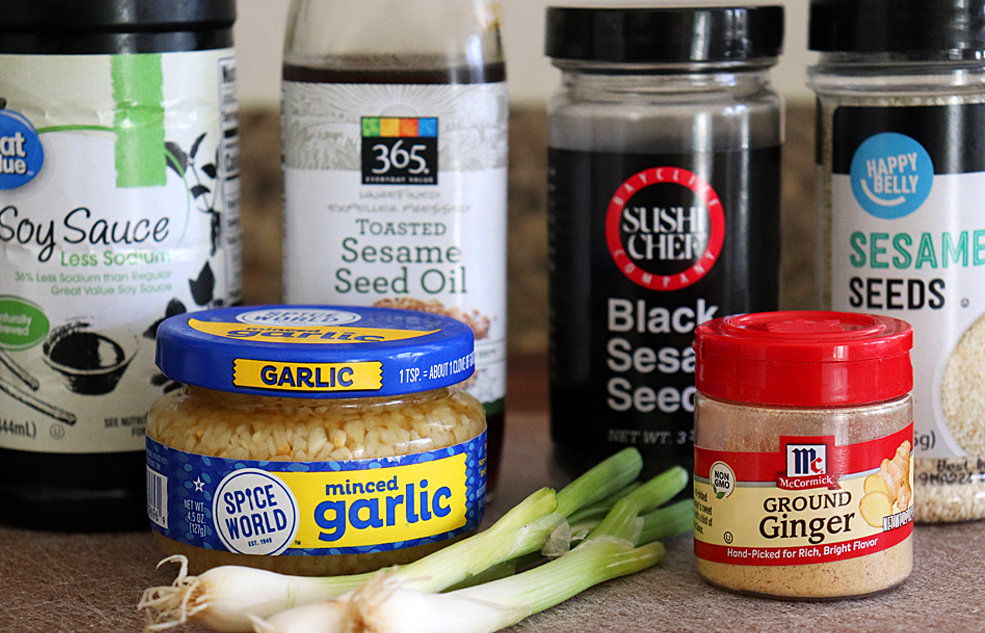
[
  {"x": 316, "y": 508},
  {"x": 119, "y": 206},
  {"x": 395, "y": 197},
  {"x": 810, "y": 502}
]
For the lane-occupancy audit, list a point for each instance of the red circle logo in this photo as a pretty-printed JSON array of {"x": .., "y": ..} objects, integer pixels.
[{"x": 653, "y": 235}]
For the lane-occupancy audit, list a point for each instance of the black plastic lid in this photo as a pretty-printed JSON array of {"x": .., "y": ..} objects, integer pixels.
[
  {"x": 79, "y": 27},
  {"x": 642, "y": 35},
  {"x": 898, "y": 26},
  {"x": 119, "y": 16}
]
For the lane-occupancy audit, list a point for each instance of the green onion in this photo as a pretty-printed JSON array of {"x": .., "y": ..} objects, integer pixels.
[
  {"x": 600, "y": 509},
  {"x": 659, "y": 525},
  {"x": 665, "y": 523},
  {"x": 220, "y": 596},
  {"x": 624, "y": 521},
  {"x": 383, "y": 606},
  {"x": 224, "y": 598},
  {"x": 604, "y": 480},
  {"x": 502, "y": 570},
  {"x": 589, "y": 564},
  {"x": 386, "y": 604}
]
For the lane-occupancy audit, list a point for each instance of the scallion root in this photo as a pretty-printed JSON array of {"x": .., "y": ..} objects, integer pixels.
[
  {"x": 172, "y": 605},
  {"x": 223, "y": 598}
]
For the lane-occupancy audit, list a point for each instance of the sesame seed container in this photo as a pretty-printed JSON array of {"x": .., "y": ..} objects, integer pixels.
[
  {"x": 314, "y": 440},
  {"x": 803, "y": 474},
  {"x": 901, "y": 175}
]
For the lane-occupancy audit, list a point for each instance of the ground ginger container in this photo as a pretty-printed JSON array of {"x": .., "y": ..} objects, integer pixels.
[
  {"x": 314, "y": 440},
  {"x": 803, "y": 473}
]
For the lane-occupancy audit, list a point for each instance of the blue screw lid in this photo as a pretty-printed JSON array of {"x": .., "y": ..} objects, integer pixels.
[{"x": 315, "y": 351}]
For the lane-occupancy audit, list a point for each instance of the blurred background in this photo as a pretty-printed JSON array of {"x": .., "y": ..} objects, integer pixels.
[{"x": 259, "y": 38}]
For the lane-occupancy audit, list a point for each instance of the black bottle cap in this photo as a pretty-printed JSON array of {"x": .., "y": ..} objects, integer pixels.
[
  {"x": 643, "y": 35},
  {"x": 898, "y": 26},
  {"x": 121, "y": 16}
]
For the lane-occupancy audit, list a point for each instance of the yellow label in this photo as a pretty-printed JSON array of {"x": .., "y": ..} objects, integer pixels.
[
  {"x": 356, "y": 508},
  {"x": 818, "y": 518},
  {"x": 314, "y": 377},
  {"x": 320, "y": 335}
]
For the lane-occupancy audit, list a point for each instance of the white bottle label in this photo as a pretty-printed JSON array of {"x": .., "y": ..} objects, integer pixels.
[
  {"x": 395, "y": 195},
  {"x": 908, "y": 241},
  {"x": 125, "y": 210}
]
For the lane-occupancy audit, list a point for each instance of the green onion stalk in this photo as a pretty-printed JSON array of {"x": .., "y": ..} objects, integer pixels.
[
  {"x": 382, "y": 605},
  {"x": 661, "y": 524},
  {"x": 387, "y": 604}
]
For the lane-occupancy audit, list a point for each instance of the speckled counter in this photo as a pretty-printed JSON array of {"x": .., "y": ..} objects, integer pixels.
[{"x": 53, "y": 583}]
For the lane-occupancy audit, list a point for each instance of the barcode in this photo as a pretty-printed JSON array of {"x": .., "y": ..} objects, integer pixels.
[{"x": 157, "y": 498}]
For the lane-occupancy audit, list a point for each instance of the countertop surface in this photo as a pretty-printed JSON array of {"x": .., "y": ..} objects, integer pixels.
[{"x": 53, "y": 582}]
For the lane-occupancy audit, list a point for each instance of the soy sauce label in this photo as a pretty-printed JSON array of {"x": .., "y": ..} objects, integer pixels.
[
  {"x": 643, "y": 249},
  {"x": 119, "y": 206}
]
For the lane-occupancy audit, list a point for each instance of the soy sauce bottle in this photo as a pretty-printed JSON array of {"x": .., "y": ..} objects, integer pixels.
[
  {"x": 123, "y": 209},
  {"x": 394, "y": 119}
]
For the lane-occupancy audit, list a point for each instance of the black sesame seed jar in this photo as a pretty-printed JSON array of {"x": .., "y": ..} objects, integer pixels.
[
  {"x": 664, "y": 200},
  {"x": 119, "y": 205}
]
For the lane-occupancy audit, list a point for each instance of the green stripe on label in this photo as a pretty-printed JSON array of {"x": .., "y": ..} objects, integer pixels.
[{"x": 138, "y": 89}]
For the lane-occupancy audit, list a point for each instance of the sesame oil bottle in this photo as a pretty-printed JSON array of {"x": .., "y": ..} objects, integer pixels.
[{"x": 394, "y": 119}]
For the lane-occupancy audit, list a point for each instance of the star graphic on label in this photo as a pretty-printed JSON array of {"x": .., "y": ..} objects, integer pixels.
[{"x": 199, "y": 484}]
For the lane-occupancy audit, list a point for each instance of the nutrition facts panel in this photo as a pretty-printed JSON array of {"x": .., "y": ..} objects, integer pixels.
[{"x": 229, "y": 165}]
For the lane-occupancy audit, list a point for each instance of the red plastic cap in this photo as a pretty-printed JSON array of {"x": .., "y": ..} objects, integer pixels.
[{"x": 804, "y": 359}]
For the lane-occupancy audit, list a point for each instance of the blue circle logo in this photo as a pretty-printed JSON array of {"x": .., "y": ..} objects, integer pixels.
[
  {"x": 21, "y": 155},
  {"x": 892, "y": 175},
  {"x": 255, "y": 512}
]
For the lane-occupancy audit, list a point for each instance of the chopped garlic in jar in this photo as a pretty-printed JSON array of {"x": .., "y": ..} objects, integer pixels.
[{"x": 345, "y": 445}]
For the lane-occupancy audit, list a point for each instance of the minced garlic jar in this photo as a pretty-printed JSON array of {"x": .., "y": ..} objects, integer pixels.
[
  {"x": 314, "y": 440},
  {"x": 803, "y": 477}
]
